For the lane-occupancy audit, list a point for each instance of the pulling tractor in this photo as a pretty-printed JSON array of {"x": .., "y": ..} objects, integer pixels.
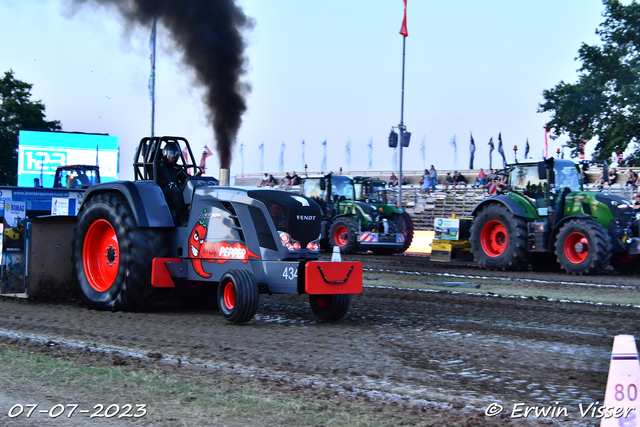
[
  {"x": 545, "y": 218},
  {"x": 236, "y": 243},
  {"x": 356, "y": 215}
]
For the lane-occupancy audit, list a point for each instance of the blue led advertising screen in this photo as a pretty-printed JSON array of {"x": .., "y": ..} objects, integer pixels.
[{"x": 40, "y": 153}]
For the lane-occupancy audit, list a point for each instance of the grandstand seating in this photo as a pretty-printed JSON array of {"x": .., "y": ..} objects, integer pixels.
[{"x": 461, "y": 202}]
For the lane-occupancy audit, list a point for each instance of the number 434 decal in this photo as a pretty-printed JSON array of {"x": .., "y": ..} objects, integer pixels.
[{"x": 290, "y": 273}]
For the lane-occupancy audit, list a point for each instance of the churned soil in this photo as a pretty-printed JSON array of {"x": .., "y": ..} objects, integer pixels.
[{"x": 407, "y": 356}]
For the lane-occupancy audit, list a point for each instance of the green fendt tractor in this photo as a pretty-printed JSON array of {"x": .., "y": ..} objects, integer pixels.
[
  {"x": 357, "y": 216},
  {"x": 546, "y": 218}
]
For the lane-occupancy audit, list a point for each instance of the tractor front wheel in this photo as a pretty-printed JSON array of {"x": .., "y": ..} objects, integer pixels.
[
  {"x": 499, "y": 239},
  {"x": 624, "y": 262},
  {"x": 343, "y": 233},
  {"x": 112, "y": 257},
  {"x": 238, "y": 296},
  {"x": 583, "y": 247},
  {"x": 330, "y": 307}
]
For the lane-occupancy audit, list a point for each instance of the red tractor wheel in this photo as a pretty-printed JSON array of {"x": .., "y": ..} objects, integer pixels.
[
  {"x": 112, "y": 257},
  {"x": 493, "y": 238},
  {"x": 341, "y": 235},
  {"x": 238, "y": 296},
  {"x": 499, "y": 238},
  {"x": 583, "y": 247},
  {"x": 101, "y": 255},
  {"x": 576, "y": 247}
]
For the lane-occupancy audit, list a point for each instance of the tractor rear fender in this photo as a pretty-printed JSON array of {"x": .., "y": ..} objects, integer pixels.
[
  {"x": 513, "y": 206},
  {"x": 145, "y": 198}
]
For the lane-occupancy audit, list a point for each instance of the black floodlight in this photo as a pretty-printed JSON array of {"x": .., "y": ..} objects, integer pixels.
[
  {"x": 406, "y": 136},
  {"x": 393, "y": 139}
]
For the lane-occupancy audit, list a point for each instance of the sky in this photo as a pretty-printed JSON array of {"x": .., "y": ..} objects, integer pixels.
[{"x": 329, "y": 70}]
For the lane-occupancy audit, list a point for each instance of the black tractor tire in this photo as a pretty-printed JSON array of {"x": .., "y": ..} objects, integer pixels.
[
  {"x": 330, "y": 307},
  {"x": 238, "y": 295},
  {"x": 112, "y": 257},
  {"x": 343, "y": 233},
  {"x": 583, "y": 247},
  {"x": 499, "y": 239},
  {"x": 625, "y": 263},
  {"x": 404, "y": 225}
]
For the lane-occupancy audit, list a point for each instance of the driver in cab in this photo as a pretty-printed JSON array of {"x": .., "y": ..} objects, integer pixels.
[{"x": 170, "y": 184}]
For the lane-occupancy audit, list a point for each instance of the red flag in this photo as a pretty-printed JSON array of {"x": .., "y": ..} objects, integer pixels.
[
  {"x": 206, "y": 153},
  {"x": 584, "y": 141},
  {"x": 403, "y": 29}
]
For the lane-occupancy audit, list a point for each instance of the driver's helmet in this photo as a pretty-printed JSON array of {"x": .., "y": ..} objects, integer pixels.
[{"x": 171, "y": 152}]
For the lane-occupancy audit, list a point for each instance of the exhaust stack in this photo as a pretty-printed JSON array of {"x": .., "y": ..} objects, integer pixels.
[{"x": 224, "y": 177}]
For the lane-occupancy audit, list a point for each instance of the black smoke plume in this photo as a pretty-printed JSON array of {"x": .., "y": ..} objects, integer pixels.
[{"x": 209, "y": 35}]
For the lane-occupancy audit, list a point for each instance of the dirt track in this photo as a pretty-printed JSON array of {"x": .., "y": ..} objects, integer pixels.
[{"x": 450, "y": 353}]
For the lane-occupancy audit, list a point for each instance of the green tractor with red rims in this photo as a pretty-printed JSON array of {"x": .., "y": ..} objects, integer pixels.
[
  {"x": 545, "y": 218},
  {"x": 357, "y": 215},
  {"x": 133, "y": 241}
]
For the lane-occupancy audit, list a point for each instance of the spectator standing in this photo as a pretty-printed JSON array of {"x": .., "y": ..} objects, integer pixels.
[
  {"x": 425, "y": 185},
  {"x": 433, "y": 178},
  {"x": 481, "y": 179}
]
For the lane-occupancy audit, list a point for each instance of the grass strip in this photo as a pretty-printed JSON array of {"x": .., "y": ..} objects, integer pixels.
[{"x": 171, "y": 401}]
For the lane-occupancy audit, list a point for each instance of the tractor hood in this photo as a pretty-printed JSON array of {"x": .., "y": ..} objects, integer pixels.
[{"x": 296, "y": 215}]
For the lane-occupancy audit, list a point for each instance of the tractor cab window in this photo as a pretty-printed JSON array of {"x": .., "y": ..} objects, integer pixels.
[
  {"x": 77, "y": 178},
  {"x": 371, "y": 193},
  {"x": 524, "y": 179},
  {"x": 342, "y": 188},
  {"x": 313, "y": 191},
  {"x": 567, "y": 176},
  {"x": 88, "y": 178}
]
